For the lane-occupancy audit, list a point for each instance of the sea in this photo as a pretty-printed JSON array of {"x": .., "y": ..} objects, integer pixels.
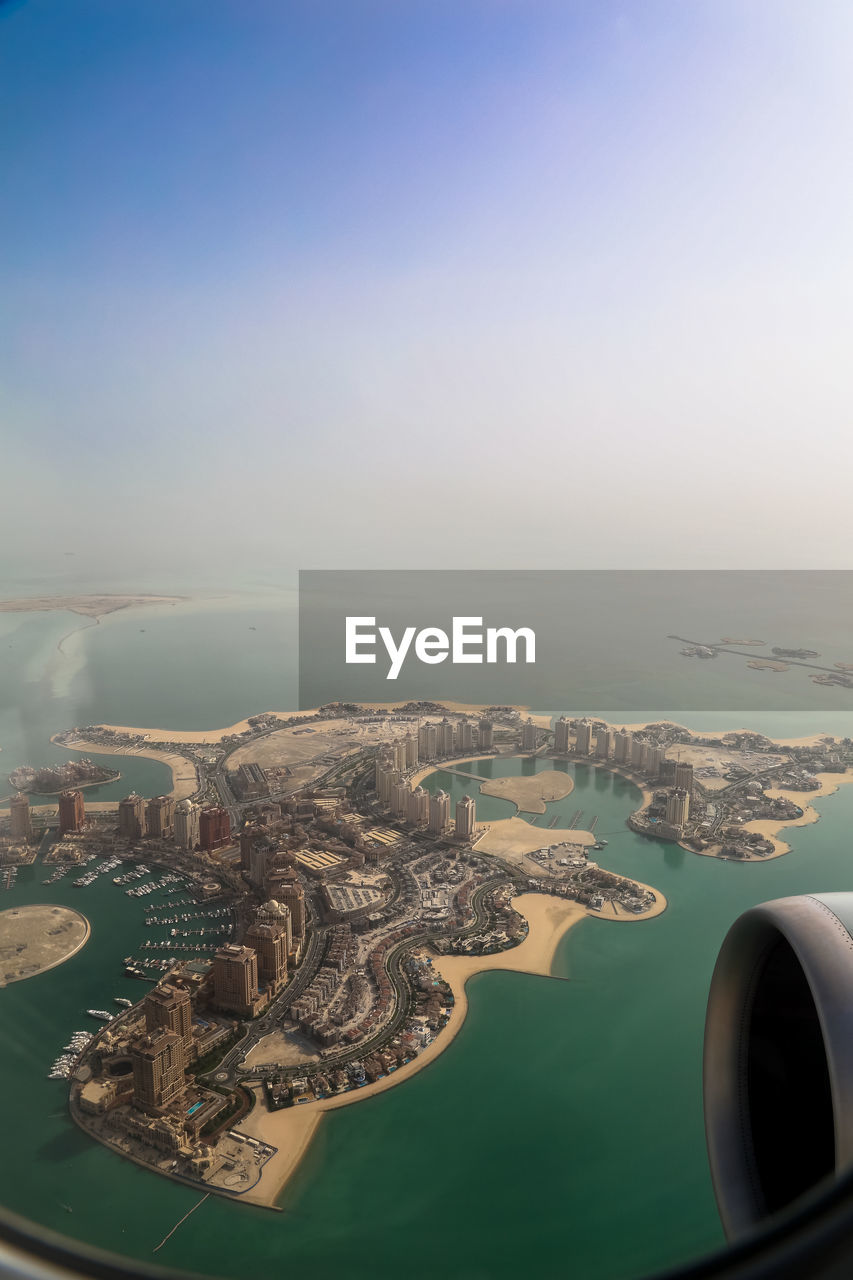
[{"x": 559, "y": 1134}]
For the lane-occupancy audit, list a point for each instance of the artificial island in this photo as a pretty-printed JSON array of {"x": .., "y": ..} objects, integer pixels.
[{"x": 324, "y": 908}]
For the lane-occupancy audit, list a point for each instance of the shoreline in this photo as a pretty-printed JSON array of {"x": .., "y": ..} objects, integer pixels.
[
  {"x": 210, "y": 736},
  {"x": 291, "y": 1130},
  {"x": 185, "y": 782},
  {"x": 549, "y": 919},
  {"x": 770, "y": 827}
]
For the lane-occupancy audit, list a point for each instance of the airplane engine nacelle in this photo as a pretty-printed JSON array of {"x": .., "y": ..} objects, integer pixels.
[{"x": 778, "y": 1062}]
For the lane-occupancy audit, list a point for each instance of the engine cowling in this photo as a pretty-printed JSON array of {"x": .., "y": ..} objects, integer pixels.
[{"x": 778, "y": 1058}]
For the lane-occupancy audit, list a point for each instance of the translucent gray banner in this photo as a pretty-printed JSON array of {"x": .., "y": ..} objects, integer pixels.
[{"x": 602, "y": 641}]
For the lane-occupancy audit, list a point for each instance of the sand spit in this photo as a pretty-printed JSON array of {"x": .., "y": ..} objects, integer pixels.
[{"x": 88, "y": 606}]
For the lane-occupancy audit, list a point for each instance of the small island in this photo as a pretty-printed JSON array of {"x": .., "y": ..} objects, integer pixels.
[
  {"x": 51, "y": 779},
  {"x": 529, "y": 794},
  {"x": 36, "y": 938}
]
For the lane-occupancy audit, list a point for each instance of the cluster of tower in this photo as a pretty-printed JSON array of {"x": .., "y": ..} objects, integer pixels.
[
  {"x": 189, "y": 825},
  {"x": 437, "y": 740},
  {"x": 419, "y": 808},
  {"x": 161, "y": 1056},
  {"x": 604, "y": 743},
  {"x": 245, "y": 979},
  {"x": 680, "y": 793}
]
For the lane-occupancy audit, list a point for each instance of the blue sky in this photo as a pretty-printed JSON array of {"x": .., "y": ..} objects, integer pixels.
[{"x": 470, "y": 283}]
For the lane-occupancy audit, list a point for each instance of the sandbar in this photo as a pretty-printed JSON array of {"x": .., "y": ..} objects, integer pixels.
[
  {"x": 88, "y": 606},
  {"x": 532, "y": 792}
]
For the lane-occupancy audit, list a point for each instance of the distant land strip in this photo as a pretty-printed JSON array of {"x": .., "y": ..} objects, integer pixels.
[{"x": 89, "y": 606}]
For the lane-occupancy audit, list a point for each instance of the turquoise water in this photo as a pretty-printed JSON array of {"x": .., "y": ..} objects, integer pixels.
[
  {"x": 562, "y": 1129},
  {"x": 197, "y": 665}
]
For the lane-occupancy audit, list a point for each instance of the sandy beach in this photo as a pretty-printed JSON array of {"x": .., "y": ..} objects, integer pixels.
[
  {"x": 184, "y": 775},
  {"x": 770, "y": 828},
  {"x": 216, "y": 735},
  {"x": 512, "y": 837},
  {"x": 807, "y": 740},
  {"x": 549, "y": 920}
]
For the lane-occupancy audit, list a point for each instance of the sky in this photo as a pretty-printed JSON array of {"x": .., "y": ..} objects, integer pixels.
[{"x": 439, "y": 283}]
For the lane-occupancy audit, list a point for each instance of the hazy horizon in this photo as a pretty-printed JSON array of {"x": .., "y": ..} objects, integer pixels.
[{"x": 492, "y": 284}]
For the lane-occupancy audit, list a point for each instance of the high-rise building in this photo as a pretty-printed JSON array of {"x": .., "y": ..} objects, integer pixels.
[
  {"x": 444, "y": 738},
  {"x": 20, "y": 817},
  {"x": 604, "y": 743},
  {"x": 466, "y": 817},
  {"x": 292, "y": 895},
  {"x": 678, "y": 807},
  {"x": 269, "y": 942},
  {"x": 247, "y": 837},
  {"x": 276, "y": 913},
  {"x": 684, "y": 776},
  {"x": 622, "y": 747},
  {"x": 261, "y": 854},
  {"x": 398, "y": 754},
  {"x": 561, "y": 735},
  {"x": 439, "y": 813},
  {"x": 158, "y": 1069},
  {"x": 235, "y": 979},
  {"x": 639, "y": 754},
  {"x": 412, "y": 756},
  {"x": 387, "y": 779},
  {"x": 214, "y": 828},
  {"x": 418, "y": 810},
  {"x": 583, "y": 738},
  {"x": 160, "y": 817},
  {"x": 72, "y": 811},
  {"x": 131, "y": 817},
  {"x": 465, "y": 736},
  {"x": 400, "y": 793},
  {"x": 427, "y": 742},
  {"x": 528, "y": 736},
  {"x": 186, "y": 824},
  {"x": 654, "y": 760},
  {"x": 487, "y": 735},
  {"x": 667, "y": 772},
  {"x": 169, "y": 1006}
]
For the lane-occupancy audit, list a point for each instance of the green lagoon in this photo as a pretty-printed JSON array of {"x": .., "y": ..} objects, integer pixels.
[{"x": 560, "y": 1134}]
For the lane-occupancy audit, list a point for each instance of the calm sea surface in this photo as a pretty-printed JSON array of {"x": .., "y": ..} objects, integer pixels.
[{"x": 561, "y": 1132}]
